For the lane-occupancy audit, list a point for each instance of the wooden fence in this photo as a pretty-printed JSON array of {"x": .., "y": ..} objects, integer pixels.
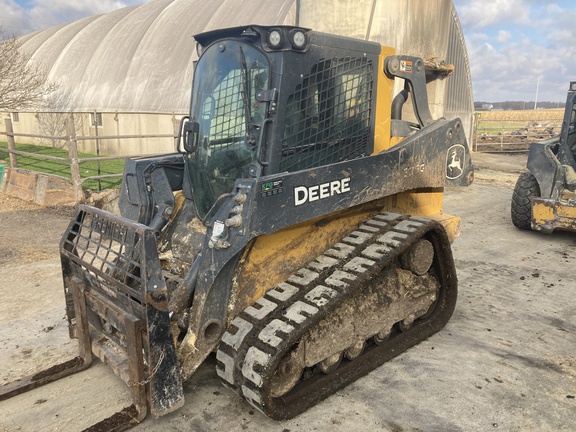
[
  {"x": 512, "y": 135},
  {"x": 73, "y": 160}
]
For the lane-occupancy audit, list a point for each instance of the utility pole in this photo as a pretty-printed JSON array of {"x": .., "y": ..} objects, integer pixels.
[{"x": 537, "y": 88}]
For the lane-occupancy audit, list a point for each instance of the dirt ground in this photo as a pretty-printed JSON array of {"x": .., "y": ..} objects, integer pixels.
[
  {"x": 506, "y": 361},
  {"x": 30, "y": 310}
]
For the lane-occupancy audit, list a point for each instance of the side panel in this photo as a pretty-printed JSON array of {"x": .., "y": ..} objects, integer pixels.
[
  {"x": 419, "y": 161},
  {"x": 544, "y": 165},
  {"x": 299, "y": 215}
]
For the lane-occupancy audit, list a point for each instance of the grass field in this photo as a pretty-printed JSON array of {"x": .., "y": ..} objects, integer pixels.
[
  {"x": 508, "y": 122},
  {"x": 61, "y": 168},
  {"x": 523, "y": 115},
  {"x": 513, "y": 131}
]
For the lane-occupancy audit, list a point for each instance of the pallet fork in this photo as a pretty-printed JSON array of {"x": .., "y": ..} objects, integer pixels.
[{"x": 118, "y": 336}]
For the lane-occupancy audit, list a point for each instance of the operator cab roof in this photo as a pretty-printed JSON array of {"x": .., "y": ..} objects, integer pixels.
[{"x": 286, "y": 35}]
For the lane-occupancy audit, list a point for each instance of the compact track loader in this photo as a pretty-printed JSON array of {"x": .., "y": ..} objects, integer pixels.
[
  {"x": 544, "y": 198},
  {"x": 297, "y": 232}
]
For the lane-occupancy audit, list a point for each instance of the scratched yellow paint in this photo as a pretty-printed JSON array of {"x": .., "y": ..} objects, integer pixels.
[
  {"x": 548, "y": 215},
  {"x": 383, "y": 105},
  {"x": 427, "y": 203},
  {"x": 271, "y": 259},
  {"x": 567, "y": 211}
]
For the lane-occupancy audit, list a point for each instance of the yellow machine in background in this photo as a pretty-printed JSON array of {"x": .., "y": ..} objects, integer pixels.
[{"x": 544, "y": 198}]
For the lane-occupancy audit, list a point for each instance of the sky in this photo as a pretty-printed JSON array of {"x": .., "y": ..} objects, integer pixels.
[
  {"x": 25, "y": 16},
  {"x": 519, "y": 50}
]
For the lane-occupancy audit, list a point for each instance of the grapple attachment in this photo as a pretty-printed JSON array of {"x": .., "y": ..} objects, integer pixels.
[
  {"x": 117, "y": 307},
  {"x": 113, "y": 263}
]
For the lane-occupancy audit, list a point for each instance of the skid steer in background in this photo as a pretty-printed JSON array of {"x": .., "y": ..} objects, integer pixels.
[
  {"x": 298, "y": 231},
  {"x": 544, "y": 198}
]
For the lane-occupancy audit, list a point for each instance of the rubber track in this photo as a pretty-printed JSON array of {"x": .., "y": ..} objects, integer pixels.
[{"x": 262, "y": 334}]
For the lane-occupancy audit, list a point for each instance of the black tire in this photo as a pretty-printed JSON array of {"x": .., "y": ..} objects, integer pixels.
[{"x": 525, "y": 189}]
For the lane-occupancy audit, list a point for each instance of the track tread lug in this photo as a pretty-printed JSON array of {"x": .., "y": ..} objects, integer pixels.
[
  {"x": 303, "y": 277},
  {"x": 261, "y": 308},
  {"x": 359, "y": 265},
  {"x": 282, "y": 292},
  {"x": 320, "y": 295}
]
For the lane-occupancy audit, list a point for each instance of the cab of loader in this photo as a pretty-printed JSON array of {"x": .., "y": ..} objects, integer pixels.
[
  {"x": 293, "y": 138},
  {"x": 267, "y": 100},
  {"x": 544, "y": 197}
]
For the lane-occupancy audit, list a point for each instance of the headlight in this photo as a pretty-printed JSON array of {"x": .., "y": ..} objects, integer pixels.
[
  {"x": 298, "y": 39},
  {"x": 275, "y": 38}
]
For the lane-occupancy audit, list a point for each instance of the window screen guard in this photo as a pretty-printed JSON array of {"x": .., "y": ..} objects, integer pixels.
[{"x": 328, "y": 115}]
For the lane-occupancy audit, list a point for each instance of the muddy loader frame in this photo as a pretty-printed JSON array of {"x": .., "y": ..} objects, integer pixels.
[{"x": 319, "y": 152}]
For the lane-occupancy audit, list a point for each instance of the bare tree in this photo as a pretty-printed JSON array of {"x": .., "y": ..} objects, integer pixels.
[
  {"x": 52, "y": 123},
  {"x": 23, "y": 85}
]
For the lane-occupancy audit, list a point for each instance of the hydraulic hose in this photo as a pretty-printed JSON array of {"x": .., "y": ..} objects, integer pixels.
[{"x": 397, "y": 104}]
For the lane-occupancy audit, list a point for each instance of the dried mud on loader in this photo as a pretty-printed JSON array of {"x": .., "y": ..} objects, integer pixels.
[{"x": 506, "y": 360}]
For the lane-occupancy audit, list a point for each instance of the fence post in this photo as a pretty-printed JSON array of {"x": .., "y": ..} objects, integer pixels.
[
  {"x": 175, "y": 130},
  {"x": 11, "y": 142},
  {"x": 476, "y": 122},
  {"x": 73, "y": 159}
]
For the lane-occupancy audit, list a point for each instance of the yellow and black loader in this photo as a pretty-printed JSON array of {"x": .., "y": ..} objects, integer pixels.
[
  {"x": 544, "y": 197},
  {"x": 297, "y": 232}
]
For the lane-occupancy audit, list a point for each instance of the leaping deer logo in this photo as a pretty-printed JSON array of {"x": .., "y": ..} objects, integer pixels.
[{"x": 455, "y": 163}]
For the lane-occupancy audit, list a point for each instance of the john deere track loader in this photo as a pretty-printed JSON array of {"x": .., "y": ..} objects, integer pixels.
[
  {"x": 297, "y": 232},
  {"x": 544, "y": 198}
]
